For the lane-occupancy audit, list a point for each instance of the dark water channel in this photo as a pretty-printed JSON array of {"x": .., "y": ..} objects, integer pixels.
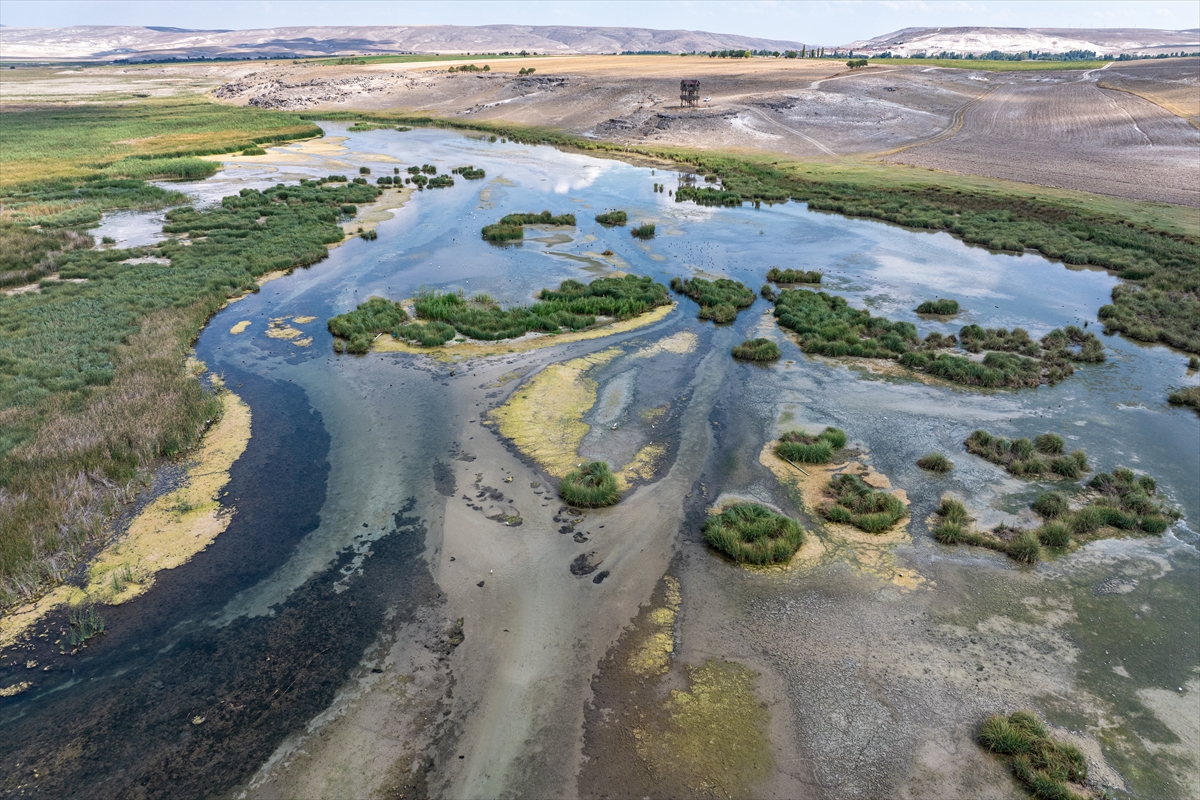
[{"x": 336, "y": 493}]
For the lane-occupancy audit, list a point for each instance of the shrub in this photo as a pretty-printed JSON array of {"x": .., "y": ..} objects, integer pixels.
[
  {"x": 349, "y": 210},
  {"x": 752, "y": 534},
  {"x": 612, "y": 218},
  {"x": 643, "y": 231},
  {"x": 364, "y": 324},
  {"x": 364, "y": 170},
  {"x": 1055, "y": 534},
  {"x": 870, "y": 510},
  {"x": 592, "y": 485},
  {"x": 1051, "y": 505},
  {"x": 935, "y": 462},
  {"x": 938, "y": 307},
  {"x": 757, "y": 350},
  {"x": 370, "y": 235}
]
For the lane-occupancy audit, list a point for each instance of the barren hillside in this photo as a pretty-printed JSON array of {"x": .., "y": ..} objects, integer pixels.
[
  {"x": 1102, "y": 41},
  {"x": 141, "y": 43}
]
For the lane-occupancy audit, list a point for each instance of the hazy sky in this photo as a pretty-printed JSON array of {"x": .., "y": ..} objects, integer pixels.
[{"x": 819, "y": 21}]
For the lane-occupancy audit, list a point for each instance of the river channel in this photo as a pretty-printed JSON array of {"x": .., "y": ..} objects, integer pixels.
[{"x": 372, "y": 622}]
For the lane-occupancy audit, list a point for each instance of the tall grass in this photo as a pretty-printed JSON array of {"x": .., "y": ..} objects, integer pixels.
[
  {"x": 777, "y": 275},
  {"x": 757, "y": 350},
  {"x": 358, "y": 328},
  {"x": 643, "y": 231},
  {"x": 752, "y": 534},
  {"x": 855, "y": 503},
  {"x": 719, "y": 300},
  {"x": 592, "y": 485},
  {"x": 942, "y": 307},
  {"x": 1042, "y": 764},
  {"x": 1189, "y": 396},
  {"x": 612, "y": 218}
]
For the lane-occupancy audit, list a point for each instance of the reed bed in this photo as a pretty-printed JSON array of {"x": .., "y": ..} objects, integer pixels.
[{"x": 719, "y": 300}]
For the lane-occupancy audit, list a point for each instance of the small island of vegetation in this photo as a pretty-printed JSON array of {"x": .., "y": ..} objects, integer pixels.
[
  {"x": 469, "y": 172},
  {"x": 1044, "y": 456},
  {"x": 511, "y": 226},
  {"x": 719, "y": 300},
  {"x": 853, "y": 502},
  {"x": 752, "y": 534},
  {"x": 1189, "y": 397},
  {"x": 643, "y": 231},
  {"x": 943, "y": 308},
  {"x": 797, "y": 446},
  {"x": 935, "y": 462},
  {"x": 757, "y": 350},
  {"x": 612, "y": 218},
  {"x": 827, "y": 325},
  {"x": 777, "y": 275},
  {"x": 592, "y": 485},
  {"x": 442, "y": 316}
]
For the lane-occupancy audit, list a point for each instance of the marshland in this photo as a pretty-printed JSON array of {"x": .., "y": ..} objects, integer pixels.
[{"x": 423, "y": 544}]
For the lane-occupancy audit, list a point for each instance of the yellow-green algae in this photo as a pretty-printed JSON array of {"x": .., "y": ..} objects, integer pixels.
[
  {"x": 453, "y": 352},
  {"x": 544, "y": 418},
  {"x": 165, "y": 534},
  {"x": 714, "y": 737},
  {"x": 653, "y": 656}
]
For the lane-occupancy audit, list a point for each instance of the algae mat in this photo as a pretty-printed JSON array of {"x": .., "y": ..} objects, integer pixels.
[
  {"x": 165, "y": 534},
  {"x": 544, "y": 418}
]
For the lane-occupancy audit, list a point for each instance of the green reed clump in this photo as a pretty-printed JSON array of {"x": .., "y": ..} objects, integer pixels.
[
  {"x": 757, "y": 350},
  {"x": 935, "y": 462},
  {"x": 358, "y": 328},
  {"x": 751, "y": 534},
  {"x": 828, "y": 326},
  {"x": 941, "y": 307},
  {"x": 1193, "y": 363},
  {"x": 1025, "y": 547},
  {"x": 1043, "y": 765},
  {"x": 777, "y": 275},
  {"x": 800, "y": 447},
  {"x": 1128, "y": 502},
  {"x": 502, "y": 233},
  {"x": 768, "y": 292},
  {"x": 426, "y": 334},
  {"x": 1056, "y": 535},
  {"x": 976, "y": 339},
  {"x": 1072, "y": 344},
  {"x": 509, "y": 228},
  {"x": 643, "y": 231},
  {"x": 84, "y": 624},
  {"x": 1189, "y": 397},
  {"x": 1051, "y": 505},
  {"x": 1025, "y": 458},
  {"x": 707, "y": 196},
  {"x": 441, "y": 182},
  {"x": 953, "y": 522},
  {"x": 719, "y": 300},
  {"x": 469, "y": 172},
  {"x": 592, "y": 485},
  {"x": 855, "y": 503},
  {"x": 612, "y": 218}
]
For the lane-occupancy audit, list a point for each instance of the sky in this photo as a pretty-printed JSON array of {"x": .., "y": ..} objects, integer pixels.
[{"x": 818, "y": 21}]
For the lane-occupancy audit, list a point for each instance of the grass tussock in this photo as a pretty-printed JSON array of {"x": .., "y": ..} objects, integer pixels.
[
  {"x": 1043, "y": 457},
  {"x": 1189, "y": 397},
  {"x": 853, "y": 502},
  {"x": 777, "y": 275},
  {"x": 752, "y": 534},
  {"x": 1043, "y": 765},
  {"x": 612, "y": 218},
  {"x": 592, "y": 485},
  {"x": 719, "y": 300},
  {"x": 757, "y": 350},
  {"x": 643, "y": 231},
  {"x": 941, "y": 307},
  {"x": 935, "y": 462},
  {"x": 358, "y": 328},
  {"x": 802, "y": 448}
]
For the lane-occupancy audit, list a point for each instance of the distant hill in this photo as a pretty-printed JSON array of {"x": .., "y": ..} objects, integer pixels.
[
  {"x": 102, "y": 42},
  {"x": 1103, "y": 41}
]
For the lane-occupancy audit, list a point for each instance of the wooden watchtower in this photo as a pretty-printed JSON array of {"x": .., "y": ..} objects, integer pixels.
[{"x": 689, "y": 93}]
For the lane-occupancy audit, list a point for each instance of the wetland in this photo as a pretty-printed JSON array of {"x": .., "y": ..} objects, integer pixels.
[{"x": 395, "y": 595}]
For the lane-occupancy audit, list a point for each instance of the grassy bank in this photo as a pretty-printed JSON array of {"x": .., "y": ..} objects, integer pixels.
[
  {"x": 92, "y": 383},
  {"x": 1153, "y": 247}
]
